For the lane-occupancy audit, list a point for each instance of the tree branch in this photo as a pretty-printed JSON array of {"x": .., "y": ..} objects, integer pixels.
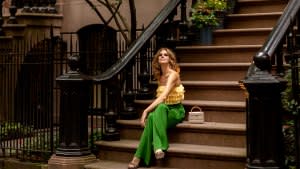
[{"x": 97, "y": 12}]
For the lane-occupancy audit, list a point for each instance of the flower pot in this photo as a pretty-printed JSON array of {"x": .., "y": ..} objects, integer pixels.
[{"x": 205, "y": 36}]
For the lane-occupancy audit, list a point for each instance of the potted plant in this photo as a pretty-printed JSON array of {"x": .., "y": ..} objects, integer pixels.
[
  {"x": 203, "y": 20},
  {"x": 220, "y": 9}
]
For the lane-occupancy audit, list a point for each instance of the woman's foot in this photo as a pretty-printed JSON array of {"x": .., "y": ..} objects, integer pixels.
[
  {"x": 134, "y": 164},
  {"x": 159, "y": 154}
]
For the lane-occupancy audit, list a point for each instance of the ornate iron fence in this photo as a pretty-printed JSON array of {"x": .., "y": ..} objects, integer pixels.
[
  {"x": 30, "y": 96},
  {"x": 29, "y": 121}
]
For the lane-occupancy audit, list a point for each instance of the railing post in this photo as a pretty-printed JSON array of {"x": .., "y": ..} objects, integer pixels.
[
  {"x": 183, "y": 25},
  {"x": 26, "y": 7},
  {"x": 1, "y": 19},
  {"x": 43, "y": 6},
  {"x": 111, "y": 132},
  {"x": 35, "y": 6},
  {"x": 172, "y": 27},
  {"x": 73, "y": 150},
  {"x": 12, "y": 10},
  {"x": 144, "y": 75},
  {"x": 129, "y": 111},
  {"x": 298, "y": 31},
  {"x": 52, "y": 8},
  {"x": 264, "y": 116}
]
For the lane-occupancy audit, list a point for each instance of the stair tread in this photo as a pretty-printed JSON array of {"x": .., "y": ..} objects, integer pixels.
[
  {"x": 18, "y": 25},
  {"x": 210, "y": 83},
  {"x": 105, "y": 164},
  {"x": 206, "y": 83},
  {"x": 215, "y": 47},
  {"x": 243, "y": 30},
  {"x": 205, "y": 125},
  {"x": 255, "y": 14},
  {"x": 236, "y": 104},
  {"x": 182, "y": 149},
  {"x": 215, "y": 64},
  {"x": 6, "y": 37},
  {"x": 247, "y": 1}
]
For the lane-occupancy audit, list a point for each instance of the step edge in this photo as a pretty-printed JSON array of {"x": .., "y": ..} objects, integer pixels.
[
  {"x": 214, "y": 47},
  {"x": 208, "y": 103},
  {"x": 255, "y": 1},
  {"x": 262, "y": 14},
  {"x": 180, "y": 148},
  {"x": 221, "y": 64},
  {"x": 232, "y": 127},
  {"x": 243, "y": 30},
  {"x": 110, "y": 164},
  {"x": 211, "y": 83}
]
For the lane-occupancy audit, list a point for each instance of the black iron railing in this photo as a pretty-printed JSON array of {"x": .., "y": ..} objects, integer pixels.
[
  {"x": 117, "y": 83},
  {"x": 29, "y": 121},
  {"x": 31, "y": 104},
  {"x": 265, "y": 146}
]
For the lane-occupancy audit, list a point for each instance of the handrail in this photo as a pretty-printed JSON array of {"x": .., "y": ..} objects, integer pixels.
[
  {"x": 262, "y": 58},
  {"x": 135, "y": 47},
  {"x": 263, "y": 101}
]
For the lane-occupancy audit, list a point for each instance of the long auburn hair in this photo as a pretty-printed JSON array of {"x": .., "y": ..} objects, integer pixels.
[{"x": 156, "y": 66}]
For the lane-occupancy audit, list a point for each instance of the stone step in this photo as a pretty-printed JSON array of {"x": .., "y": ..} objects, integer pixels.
[
  {"x": 185, "y": 156},
  {"x": 213, "y": 90},
  {"x": 207, "y": 133},
  {"x": 105, "y": 164},
  {"x": 254, "y": 20},
  {"x": 213, "y": 71},
  {"x": 260, "y": 6},
  {"x": 248, "y": 36},
  {"x": 220, "y": 111},
  {"x": 224, "y": 54},
  {"x": 215, "y": 111}
]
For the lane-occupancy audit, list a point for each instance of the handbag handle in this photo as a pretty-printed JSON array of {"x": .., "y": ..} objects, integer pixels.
[{"x": 195, "y": 107}]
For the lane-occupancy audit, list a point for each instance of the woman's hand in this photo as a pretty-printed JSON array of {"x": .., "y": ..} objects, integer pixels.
[{"x": 143, "y": 119}]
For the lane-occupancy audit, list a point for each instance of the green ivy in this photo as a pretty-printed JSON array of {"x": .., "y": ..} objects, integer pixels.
[
  {"x": 217, "y": 5},
  {"x": 291, "y": 108},
  {"x": 12, "y": 130}
]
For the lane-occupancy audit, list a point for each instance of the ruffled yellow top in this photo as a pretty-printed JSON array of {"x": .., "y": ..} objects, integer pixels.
[{"x": 174, "y": 97}]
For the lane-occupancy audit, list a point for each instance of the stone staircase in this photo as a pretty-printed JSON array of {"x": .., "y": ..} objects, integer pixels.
[{"x": 211, "y": 77}]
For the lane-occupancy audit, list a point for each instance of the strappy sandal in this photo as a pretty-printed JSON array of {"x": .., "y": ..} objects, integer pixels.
[
  {"x": 159, "y": 154},
  {"x": 132, "y": 165}
]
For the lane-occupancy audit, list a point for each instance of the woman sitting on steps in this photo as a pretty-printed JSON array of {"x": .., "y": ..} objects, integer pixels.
[{"x": 164, "y": 112}]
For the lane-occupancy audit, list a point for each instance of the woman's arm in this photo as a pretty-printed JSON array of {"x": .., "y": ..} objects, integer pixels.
[{"x": 171, "y": 82}]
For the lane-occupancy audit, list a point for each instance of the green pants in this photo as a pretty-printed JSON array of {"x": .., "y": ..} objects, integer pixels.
[{"x": 155, "y": 132}]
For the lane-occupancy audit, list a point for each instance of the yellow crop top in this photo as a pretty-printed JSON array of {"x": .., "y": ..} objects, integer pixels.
[{"x": 174, "y": 97}]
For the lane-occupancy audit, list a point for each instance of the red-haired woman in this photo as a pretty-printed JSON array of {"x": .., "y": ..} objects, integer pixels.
[{"x": 164, "y": 112}]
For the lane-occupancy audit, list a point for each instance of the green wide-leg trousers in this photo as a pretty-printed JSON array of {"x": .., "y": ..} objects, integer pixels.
[{"x": 155, "y": 132}]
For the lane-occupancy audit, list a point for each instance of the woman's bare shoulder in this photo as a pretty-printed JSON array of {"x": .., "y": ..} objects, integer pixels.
[{"x": 174, "y": 73}]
